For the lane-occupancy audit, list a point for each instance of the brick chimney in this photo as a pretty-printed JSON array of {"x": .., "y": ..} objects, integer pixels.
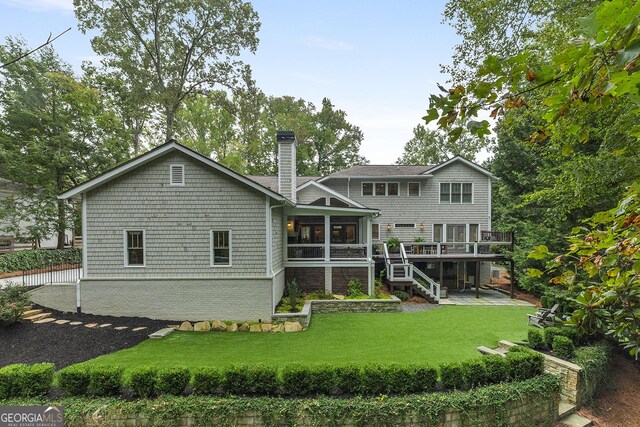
[{"x": 287, "y": 184}]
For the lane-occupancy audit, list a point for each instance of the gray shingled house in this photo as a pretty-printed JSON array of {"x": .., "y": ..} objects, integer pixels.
[{"x": 172, "y": 234}]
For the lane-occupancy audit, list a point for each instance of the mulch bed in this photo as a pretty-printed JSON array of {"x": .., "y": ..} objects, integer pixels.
[{"x": 63, "y": 345}]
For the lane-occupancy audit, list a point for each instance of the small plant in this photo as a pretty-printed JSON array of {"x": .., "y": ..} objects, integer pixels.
[
  {"x": 206, "y": 380},
  {"x": 13, "y": 302},
  {"x": 536, "y": 339},
  {"x": 293, "y": 293},
  {"x": 318, "y": 295},
  {"x": 73, "y": 380},
  {"x": 563, "y": 347},
  {"x": 377, "y": 285},
  {"x": 104, "y": 381},
  {"x": 401, "y": 295},
  {"x": 173, "y": 381},
  {"x": 418, "y": 239},
  {"x": 549, "y": 335},
  {"x": 393, "y": 244},
  {"x": 142, "y": 381},
  {"x": 354, "y": 288}
]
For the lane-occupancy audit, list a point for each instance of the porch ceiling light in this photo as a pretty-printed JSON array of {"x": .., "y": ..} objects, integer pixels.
[{"x": 388, "y": 227}]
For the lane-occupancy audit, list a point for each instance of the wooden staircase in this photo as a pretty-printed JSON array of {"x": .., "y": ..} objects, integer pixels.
[{"x": 402, "y": 273}]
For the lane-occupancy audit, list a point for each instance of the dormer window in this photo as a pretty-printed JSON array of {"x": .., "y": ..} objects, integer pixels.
[{"x": 176, "y": 175}]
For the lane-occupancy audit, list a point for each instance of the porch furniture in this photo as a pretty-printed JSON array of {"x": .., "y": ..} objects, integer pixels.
[{"x": 544, "y": 317}]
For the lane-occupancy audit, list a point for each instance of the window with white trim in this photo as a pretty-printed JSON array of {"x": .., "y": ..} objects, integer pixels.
[
  {"x": 456, "y": 192},
  {"x": 392, "y": 189},
  {"x": 375, "y": 231},
  {"x": 380, "y": 189},
  {"x": 367, "y": 189},
  {"x": 220, "y": 248},
  {"x": 134, "y": 244},
  {"x": 413, "y": 189},
  {"x": 176, "y": 175}
]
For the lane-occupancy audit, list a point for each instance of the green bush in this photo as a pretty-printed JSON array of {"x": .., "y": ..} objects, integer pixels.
[
  {"x": 497, "y": 368},
  {"x": 374, "y": 381},
  {"x": 28, "y": 260},
  {"x": 21, "y": 380},
  {"x": 596, "y": 367},
  {"x": 295, "y": 380},
  {"x": 393, "y": 244},
  {"x": 265, "y": 379},
  {"x": 398, "y": 378},
  {"x": 524, "y": 363},
  {"x": 354, "y": 288},
  {"x": 142, "y": 381},
  {"x": 293, "y": 295},
  {"x": 315, "y": 295},
  {"x": 10, "y": 378},
  {"x": 475, "y": 372},
  {"x": 550, "y": 333},
  {"x": 401, "y": 295},
  {"x": 237, "y": 380},
  {"x": 104, "y": 381},
  {"x": 322, "y": 379},
  {"x": 173, "y": 381},
  {"x": 536, "y": 339},
  {"x": 13, "y": 302},
  {"x": 563, "y": 347},
  {"x": 206, "y": 380},
  {"x": 73, "y": 380},
  {"x": 424, "y": 379},
  {"x": 574, "y": 334},
  {"x": 349, "y": 379},
  {"x": 452, "y": 376}
]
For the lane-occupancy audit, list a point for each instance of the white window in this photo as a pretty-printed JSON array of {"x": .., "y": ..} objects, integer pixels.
[
  {"x": 392, "y": 189},
  {"x": 413, "y": 189},
  {"x": 437, "y": 232},
  {"x": 375, "y": 231},
  {"x": 456, "y": 192},
  {"x": 220, "y": 248},
  {"x": 134, "y": 244},
  {"x": 367, "y": 189},
  {"x": 381, "y": 188},
  {"x": 176, "y": 175}
]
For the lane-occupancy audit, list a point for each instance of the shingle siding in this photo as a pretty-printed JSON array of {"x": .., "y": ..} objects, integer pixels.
[
  {"x": 276, "y": 239},
  {"x": 177, "y": 222},
  {"x": 310, "y": 194}
]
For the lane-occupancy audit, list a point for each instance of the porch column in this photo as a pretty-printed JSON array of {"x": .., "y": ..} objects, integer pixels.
[
  {"x": 327, "y": 238},
  {"x": 371, "y": 269},
  {"x": 477, "y": 279}
]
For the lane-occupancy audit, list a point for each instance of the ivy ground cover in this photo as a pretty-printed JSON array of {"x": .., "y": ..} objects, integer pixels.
[{"x": 434, "y": 336}]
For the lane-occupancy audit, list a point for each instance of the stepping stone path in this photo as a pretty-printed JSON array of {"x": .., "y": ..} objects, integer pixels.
[
  {"x": 62, "y": 322},
  {"x": 139, "y": 329},
  {"x": 75, "y": 323},
  {"x": 105, "y": 325},
  {"x": 120, "y": 328},
  {"x": 91, "y": 325},
  {"x": 47, "y": 320},
  {"x": 161, "y": 333},
  {"x": 38, "y": 316}
]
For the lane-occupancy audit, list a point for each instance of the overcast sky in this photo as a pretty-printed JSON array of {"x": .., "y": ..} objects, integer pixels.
[{"x": 376, "y": 60}]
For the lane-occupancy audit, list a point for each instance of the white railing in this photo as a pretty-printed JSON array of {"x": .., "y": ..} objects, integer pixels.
[
  {"x": 434, "y": 287},
  {"x": 305, "y": 252},
  {"x": 448, "y": 248},
  {"x": 348, "y": 252}
]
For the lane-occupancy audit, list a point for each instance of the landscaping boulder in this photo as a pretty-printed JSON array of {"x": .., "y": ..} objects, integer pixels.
[
  {"x": 266, "y": 327},
  {"x": 202, "y": 326},
  {"x": 292, "y": 327},
  {"x": 218, "y": 326},
  {"x": 255, "y": 328},
  {"x": 185, "y": 326},
  {"x": 244, "y": 327},
  {"x": 232, "y": 327},
  {"x": 277, "y": 327}
]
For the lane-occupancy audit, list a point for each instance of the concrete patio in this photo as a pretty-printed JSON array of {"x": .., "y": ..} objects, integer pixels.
[{"x": 487, "y": 297}]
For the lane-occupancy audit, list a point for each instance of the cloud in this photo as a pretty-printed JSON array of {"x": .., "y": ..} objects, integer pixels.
[
  {"x": 323, "y": 43},
  {"x": 42, "y": 5}
]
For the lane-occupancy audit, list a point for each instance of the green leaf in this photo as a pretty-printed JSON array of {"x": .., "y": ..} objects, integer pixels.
[{"x": 534, "y": 272}]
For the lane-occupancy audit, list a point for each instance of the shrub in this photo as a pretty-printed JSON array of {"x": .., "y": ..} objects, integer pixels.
[
  {"x": 563, "y": 346},
  {"x": 265, "y": 379},
  {"x": 293, "y": 294},
  {"x": 13, "y": 302},
  {"x": 318, "y": 295},
  {"x": 393, "y": 244},
  {"x": 424, "y": 378},
  {"x": 206, "y": 380},
  {"x": 142, "y": 381},
  {"x": 322, "y": 379},
  {"x": 295, "y": 380},
  {"x": 550, "y": 333},
  {"x": 524, "y": 363},
  {"x": 173, "y": 381},
  {"x": 237, "y": 380},
  {"x": 104, "y": 380},
  {"x": 452, "y": 376},
  {"x": 497, "y": 368},
  {"x": 401, "y": 295},
  {"x": 398, "y": 379},
  {"x": 10, "y": 377},
  {"x": 596, "y": 367},
  {"x": 475, "y": 372},
  {"x": 574, "y": 334},
  {"x": 535, "y": 338},
  {"x": 349, "y": 379},
  {"x": 73, "y": 380},
  {"x": 354, "y": 288},
  {"x": 373, "y": 379},
  {"x": 28, "y": 260},
  {"x": 26, "y": 380}
]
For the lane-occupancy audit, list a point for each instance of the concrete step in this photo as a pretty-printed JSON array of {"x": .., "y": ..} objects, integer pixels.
[
  {"x": 38, "y": 316},
  {"x": 486, "y": 350},
  {"x": 575, "y": 420},
  {"x": 161, "y": 333},
  {"x": 29, "y": 313},
  {"x": 565, "y": 409}
]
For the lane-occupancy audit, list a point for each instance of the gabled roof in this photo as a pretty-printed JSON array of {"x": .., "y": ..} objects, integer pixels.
[
  {"x": 466, "y": 162},
  {"x": 333, "y": 193},
  {"x": 271, "y": 182},
  {"x": 156, "y": 153}
]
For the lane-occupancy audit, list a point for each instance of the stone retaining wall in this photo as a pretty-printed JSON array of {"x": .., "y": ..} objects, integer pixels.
[{"x": 339, "y": 306}]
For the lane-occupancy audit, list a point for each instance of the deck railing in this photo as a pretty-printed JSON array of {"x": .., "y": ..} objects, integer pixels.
[
  {"x": 316, "y": 252},
  {"x": 352, "y": 251},
  {"x": 451, "y": 248},
  {"x": 305, "y": 252}
]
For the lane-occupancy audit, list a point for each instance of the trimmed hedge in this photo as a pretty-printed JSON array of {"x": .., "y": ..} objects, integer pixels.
[
  {"x": 73, "y": 380},
  {"x": 563, "y": 347},
  {"x": 105, "y": 381},
  {"x": 206, "y": 380},
  {"x": 536, "y": 339},
  {"x": 30, "y": 259},
  {"x": 143, "y": 381},
  {"x": 596, "y": 367},
  {"x": 26, "y": 381},
  {"x": 524, "y": 363},
  {"x": 173, "y": 381}
]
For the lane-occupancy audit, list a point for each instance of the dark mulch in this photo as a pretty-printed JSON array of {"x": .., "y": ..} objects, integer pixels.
[{"x": 64, "y": 345}]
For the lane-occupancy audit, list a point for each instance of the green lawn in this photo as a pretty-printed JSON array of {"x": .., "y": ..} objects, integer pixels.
[{"x": 434, "y": 336}]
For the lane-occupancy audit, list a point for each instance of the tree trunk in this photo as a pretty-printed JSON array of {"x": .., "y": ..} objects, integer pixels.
[
  {"x": 62, "y": 225},
  {"x": 169, "y": 124}
]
